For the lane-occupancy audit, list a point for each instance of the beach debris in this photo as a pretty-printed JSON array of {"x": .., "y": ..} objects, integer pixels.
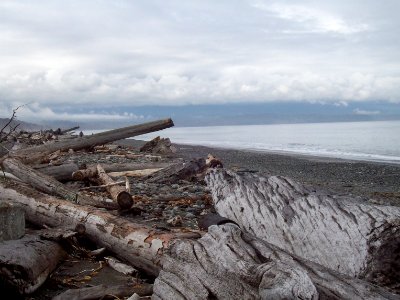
[
  {"x": 159, "y": 146},
  {"x": 175, "y": 221},
  {"x": 119, "y": 266}
]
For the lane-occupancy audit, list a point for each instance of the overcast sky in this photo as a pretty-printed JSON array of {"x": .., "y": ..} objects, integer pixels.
[{"x": 62, "y": 55}]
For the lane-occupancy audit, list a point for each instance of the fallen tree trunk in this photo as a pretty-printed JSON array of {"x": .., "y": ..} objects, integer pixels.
[
  {"x": 134, "y": 173},
  {"x": 117, "y": 192},
  {"x": 137, "y": 244},
  {"x": 179, "y": 171},
  {"x": 229, "y": 264},
  {"x": 357, "y": 239},
  {"x": 61, "y": 173},
  {"x": 32, "y": 154},
  {"x": 26, "y": 263},
  {"x": 49, "y": 185},
  {"x": 91, "y": 171}
]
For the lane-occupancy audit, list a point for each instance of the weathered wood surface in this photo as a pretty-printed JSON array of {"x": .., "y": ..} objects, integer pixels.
[
  {"x": 357, "y": 239},
  {"x": 33, "y": 154},
  {"x": 179, "y": 171},
  {"x": 137, "y": 244},
  {"x": 61, "y": 173},
  {"x": 229, "y": 264},
  {"x": 26, "y": 263},
  {"x": 117, "y": 192},
  {"x": 102, "y": 291},
  {"x": 134, "y": 173},
  {"x": 91, "y": 170},
  {"x": 158, "y": 146},
  {"x": 49, "y": 185}
]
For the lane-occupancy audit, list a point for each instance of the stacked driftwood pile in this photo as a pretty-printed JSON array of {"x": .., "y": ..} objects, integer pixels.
[{"x": 257, "y": 238}]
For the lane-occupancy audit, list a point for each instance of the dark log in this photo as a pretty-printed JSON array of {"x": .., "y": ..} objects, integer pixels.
[
  {"x": 33, "y": 154},
  {"x": 91, "y": 170},
  {"x": 68, "y": 130},
  {"x": 340, "y": 233},
  {"x": 117, "y": 192},
  {"x": 158, "y": 146},
  {"x": 27, "y": 262},
  {"x": 180, "y": 171},
  {"x": 101, "y": 291},
  {"x": 61, "y": 172},
  {"x": 229, "y": 264},
  {"x": 137, "y": 244},
  {"x": 49, "y": 185}
]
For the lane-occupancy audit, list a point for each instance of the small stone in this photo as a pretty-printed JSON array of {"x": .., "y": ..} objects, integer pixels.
[
  {"x": 175, "y": 221},
  {"x": 190, "y": 216}
]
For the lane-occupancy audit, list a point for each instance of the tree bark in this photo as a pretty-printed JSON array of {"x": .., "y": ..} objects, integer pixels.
[
  {"x": 26, "y": 263},
  {"x": 340, "y": 233},
  {"x": 33, "y": 154},
  {"x": 61, "y": 173},
  {"x": 91, "y": 171},
  {"x": 51, "y": 186},
  {"x": 229, "y": 264},
  {"x": 137, "y": 244},
  {"x": 117, "y": 192}
]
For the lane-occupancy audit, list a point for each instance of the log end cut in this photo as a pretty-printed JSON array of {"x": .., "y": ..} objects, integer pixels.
[{"x": 124, "y": 200}]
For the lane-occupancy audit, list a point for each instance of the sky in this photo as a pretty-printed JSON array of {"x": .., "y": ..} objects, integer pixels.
[{"x": 113, "y": 60}]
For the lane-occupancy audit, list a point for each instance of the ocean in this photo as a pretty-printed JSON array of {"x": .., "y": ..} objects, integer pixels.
[{"x": 371, "y": 141}]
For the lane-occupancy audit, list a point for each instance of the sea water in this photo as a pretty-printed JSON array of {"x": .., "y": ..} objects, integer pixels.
[{"x": 375, "y": 141}]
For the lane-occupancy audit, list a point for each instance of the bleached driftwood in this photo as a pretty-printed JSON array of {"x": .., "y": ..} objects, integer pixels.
[
  {"x": 229, "y": 264},
  {"x": 134, "y": 173},
  {"x": 137, "y": 244},
  {"x": 357, "y": 239}
]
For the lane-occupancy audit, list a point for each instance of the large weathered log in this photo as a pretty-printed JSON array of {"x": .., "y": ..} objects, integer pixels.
[
  {"x": 137, "y": 244},
  {"x": 179, "y": 171},
  {"x": 229, "y": 264},
  {"x": 26, "y": 263},
  {"x": 33, "y": 154},
  {"x": 49, "y": 185},
  {"x": 357, "y": 239},
  {"x": 91, "y": 170},
  {"x": 117, "y": 192},
  {"x": 61, "y": 173}
]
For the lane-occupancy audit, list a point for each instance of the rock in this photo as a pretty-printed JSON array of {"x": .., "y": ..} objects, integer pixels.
[
  {"x": 175, "y": 221},
  {"x": 12, "y": 221},
  {"x": 190, "y": 216}
]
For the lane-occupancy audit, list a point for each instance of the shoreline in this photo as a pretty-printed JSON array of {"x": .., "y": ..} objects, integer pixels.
[{"x": 376, "y": 182}]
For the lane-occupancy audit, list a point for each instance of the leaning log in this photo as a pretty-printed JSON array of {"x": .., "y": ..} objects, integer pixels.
[
  {"x": 341, "y": 233},
  {"x": 137, "y": 244},
  {"x": 32, "y": 154},
  {"x": 51, "y": 186},
  {"x": 117, "y": 192},
  {"x": 27, "y": 262},
  {"x": 91, "y": 170},
  {"x": 229, "y": 264}
]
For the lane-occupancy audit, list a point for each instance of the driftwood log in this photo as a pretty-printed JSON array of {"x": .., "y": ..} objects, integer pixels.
[
  {"x": 229, "y": 264},
  {"x": 61, "y": 173},
  {"x": 179, "y": 171},
  {"x": 32, "y": 154},
  {"x": 358, "y": 239},
  {"x": 102, "y": 291},
  {"x": 51, "y": 186},
  {"x": 91, "y": 170},
  {"x": 137, "y": 244},
  {"x": 117, "y": 192},
  {"x": 26, "y": 263}
]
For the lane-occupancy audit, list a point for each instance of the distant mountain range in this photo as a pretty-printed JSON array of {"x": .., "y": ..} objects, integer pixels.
[{"x": 22, "y": 125}]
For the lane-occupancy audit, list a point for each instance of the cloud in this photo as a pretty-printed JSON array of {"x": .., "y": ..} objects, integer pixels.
[
  {"x": 358, "y": 111},
  {"x": 65, "y": 55}
]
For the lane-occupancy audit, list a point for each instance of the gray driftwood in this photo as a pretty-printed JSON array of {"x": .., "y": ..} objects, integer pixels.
[
  {"x": 32, "y": 154},
  {"x": 138, "y": 244},
  {"x": 26, "y": 263},
  {"x": 61, "y": 173},
  {"x": 357, "y": 239},
  {"x": 102, "y": 291},
  {"x": 51, "y": 186},
  {"x": 229, "y": 264}
]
